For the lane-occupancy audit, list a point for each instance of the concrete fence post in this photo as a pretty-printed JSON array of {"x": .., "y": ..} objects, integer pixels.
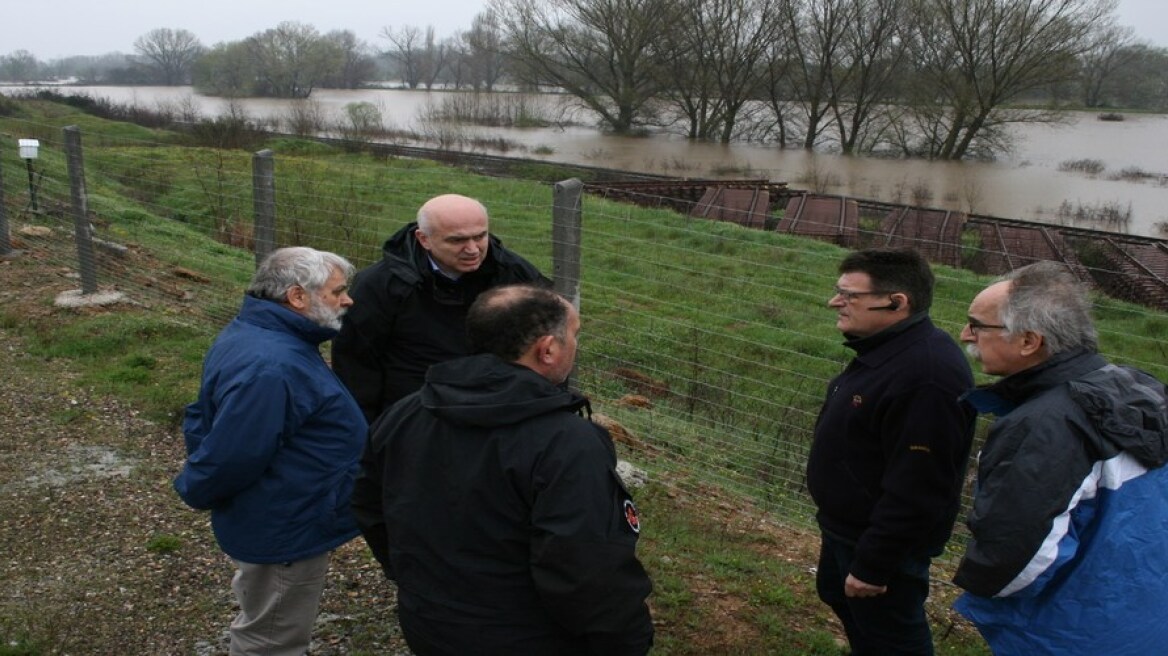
[
  {"x": 566, "y": 229},
  {"x": 82, "y": 231},
  {"x": 263, "y": 181},
  {"x": 5, "y": 239}
]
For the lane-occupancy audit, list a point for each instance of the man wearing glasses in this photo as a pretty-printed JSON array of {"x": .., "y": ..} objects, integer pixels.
[
  {"x": 889, "y": 454},
  {"x": 1069, "y": 553}
]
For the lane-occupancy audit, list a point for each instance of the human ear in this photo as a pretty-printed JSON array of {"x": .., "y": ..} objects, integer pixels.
[{"x": 1032, "y": 343}]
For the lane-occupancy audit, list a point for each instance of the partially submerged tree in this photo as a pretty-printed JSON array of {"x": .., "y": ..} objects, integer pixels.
[
  {"x": 485, "y": 56},
  {"x": 419, "y": 57},
  {"x": 170, "y": 53},
  {"x": 356, "y": 64},
  {"x": 711, "y": 61},
  {"x": 864, "y": 80},
  {"x": 973, "y": 57},
  {"x": 291, "y": 60},
  {"x": 603, "y": 52},
  {"x": 226, "y": 70},
  {"x": 1109, "y": 51},
  {"x": 19, "y": 66}
]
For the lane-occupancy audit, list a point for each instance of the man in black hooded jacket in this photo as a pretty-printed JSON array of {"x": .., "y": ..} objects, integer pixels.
[
  {"x": 413, "y": 302},
  {"x": 496, "y": 507}
]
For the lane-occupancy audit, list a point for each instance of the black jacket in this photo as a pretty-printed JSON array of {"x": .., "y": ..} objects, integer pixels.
[
  {"x": 891, "y": 446},
  {"x": 405, "y": 318},
  {"x": 495, "y": 506}
]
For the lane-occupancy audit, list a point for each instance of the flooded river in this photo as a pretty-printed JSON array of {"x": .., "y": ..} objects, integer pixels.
[{"x": 1028, "y": 183}]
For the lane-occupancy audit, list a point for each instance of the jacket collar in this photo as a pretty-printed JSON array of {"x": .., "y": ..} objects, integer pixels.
[
  {"x": 274, "y": 316},
  {"x": 1008, "y": 393},
  {"x": 875, "y": 350}
]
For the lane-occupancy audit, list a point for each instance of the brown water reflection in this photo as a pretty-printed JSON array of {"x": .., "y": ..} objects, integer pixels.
[{"x": 1026, "y": 184}]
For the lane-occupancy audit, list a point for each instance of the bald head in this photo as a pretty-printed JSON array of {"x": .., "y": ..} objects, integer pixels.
[{"x": 453, "y": 230}]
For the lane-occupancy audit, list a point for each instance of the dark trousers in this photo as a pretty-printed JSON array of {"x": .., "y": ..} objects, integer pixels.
[{"x": 889, "y": 624}]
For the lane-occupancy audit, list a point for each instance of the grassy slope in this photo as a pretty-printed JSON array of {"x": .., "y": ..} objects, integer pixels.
[{"x": 728, "y": 578}]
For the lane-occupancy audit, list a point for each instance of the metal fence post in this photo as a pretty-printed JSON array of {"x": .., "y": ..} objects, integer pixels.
[
  {"x": 566, "y": 228},
  {"x": 263, "y": 181},
  {"x": 82, "y": 232}
]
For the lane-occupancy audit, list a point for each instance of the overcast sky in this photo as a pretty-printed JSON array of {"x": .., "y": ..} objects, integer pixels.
[{"x": 50, "y": 29}]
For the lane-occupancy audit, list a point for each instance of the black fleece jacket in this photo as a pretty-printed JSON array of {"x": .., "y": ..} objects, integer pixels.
[
  {"x": 405, "y": 318},
  {"x": 891, "y": 446}
]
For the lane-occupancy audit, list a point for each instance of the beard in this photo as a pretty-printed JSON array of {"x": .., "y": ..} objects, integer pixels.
[
  {"x": 322, "y": 315},
  {"x": 973, "y": 351}
]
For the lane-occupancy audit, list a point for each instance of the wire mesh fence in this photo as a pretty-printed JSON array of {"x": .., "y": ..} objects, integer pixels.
[{"x": 706, "y": 346}]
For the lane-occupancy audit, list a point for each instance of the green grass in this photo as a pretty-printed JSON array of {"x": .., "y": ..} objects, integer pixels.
[{"x": 727, "y": 325}]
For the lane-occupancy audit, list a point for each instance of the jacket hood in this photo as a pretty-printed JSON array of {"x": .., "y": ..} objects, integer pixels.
[
  {"x": 485, "y": 391},
  {"x": 402, "y": 245},
  {"x": 1128, "y": 408}
]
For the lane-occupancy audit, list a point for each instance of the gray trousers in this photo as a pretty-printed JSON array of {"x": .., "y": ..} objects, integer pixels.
[{"x": 277, "y": 606}]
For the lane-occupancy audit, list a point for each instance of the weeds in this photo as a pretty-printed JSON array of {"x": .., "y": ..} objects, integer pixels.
[
  {"x": 1112, "y": 216},
  {"x": 164, "y": 544},
  {"x": 1087, "y": 166},
  {"x": 1135, "y": 174}
]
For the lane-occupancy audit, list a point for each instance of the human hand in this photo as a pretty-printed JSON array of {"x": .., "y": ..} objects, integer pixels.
[{"x": 854, "y": 587}]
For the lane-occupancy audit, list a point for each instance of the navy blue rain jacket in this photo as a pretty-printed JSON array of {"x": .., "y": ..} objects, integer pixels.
[{"x": 273, "y": 440}]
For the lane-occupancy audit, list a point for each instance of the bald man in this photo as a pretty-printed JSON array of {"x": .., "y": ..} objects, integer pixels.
[{"x": 410, "y": 307}]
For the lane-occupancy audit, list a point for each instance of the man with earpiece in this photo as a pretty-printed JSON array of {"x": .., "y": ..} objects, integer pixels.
[{"x": 888, "y": 459}]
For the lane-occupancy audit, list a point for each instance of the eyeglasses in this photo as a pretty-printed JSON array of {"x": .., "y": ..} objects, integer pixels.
[
  {"x": 849, "y": 295},
  {"x": 975, "y": 326}
]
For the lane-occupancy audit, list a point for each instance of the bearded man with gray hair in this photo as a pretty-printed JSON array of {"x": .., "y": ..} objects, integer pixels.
[
  {"x": 1069, "y": 547},
  {"x": 273, "y": 444}
]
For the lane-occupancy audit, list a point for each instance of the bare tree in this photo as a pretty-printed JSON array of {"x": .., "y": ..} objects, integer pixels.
[
  {"x": 291, "y": 59},
  {"x": 1109, "y": 51},
  {"x": 408, "y": 50},
  {"x": 603, "y": 52},
  {"x": 485, "y": 54},
  {"x": 713, "y": 59},
  {"x": 1143, "y": 83},
  {"x": 459, "y": 62},
  {"x": 974, "y": 56},
  {"x": 225, "y": 70},
  {"x": 819, "y": 30},
  {"x": 434, "y": 56},
  {"x": 777, "y": 78},
  {"x": 688, "y": 75},
  {"x": 864, "y": 77},
  {"x": 19, "y": 66},
  {"x": 356, "y": 63},
  {"x": 171, "y": 53}
]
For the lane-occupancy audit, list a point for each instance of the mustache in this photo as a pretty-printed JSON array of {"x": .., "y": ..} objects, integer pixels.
[{"x": 973, "y": 351}]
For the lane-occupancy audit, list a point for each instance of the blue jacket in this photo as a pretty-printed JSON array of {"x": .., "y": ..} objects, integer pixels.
[
  {"x": 273, "y": 440},
  {"x": 1069, "y": 548}
]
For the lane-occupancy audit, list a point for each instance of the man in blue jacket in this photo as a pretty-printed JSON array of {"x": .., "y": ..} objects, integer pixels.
[
  {"x": 496, "y": 507},
  {"x": 889, "y": 454},
  {"x": 1069, "y": 548},
  {"x": 273, "y": 444}
]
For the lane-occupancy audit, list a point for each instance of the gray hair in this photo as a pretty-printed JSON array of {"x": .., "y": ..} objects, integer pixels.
[
  {"x": 1046, "y": 298},
  {"x": 286, "y": 268}
]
